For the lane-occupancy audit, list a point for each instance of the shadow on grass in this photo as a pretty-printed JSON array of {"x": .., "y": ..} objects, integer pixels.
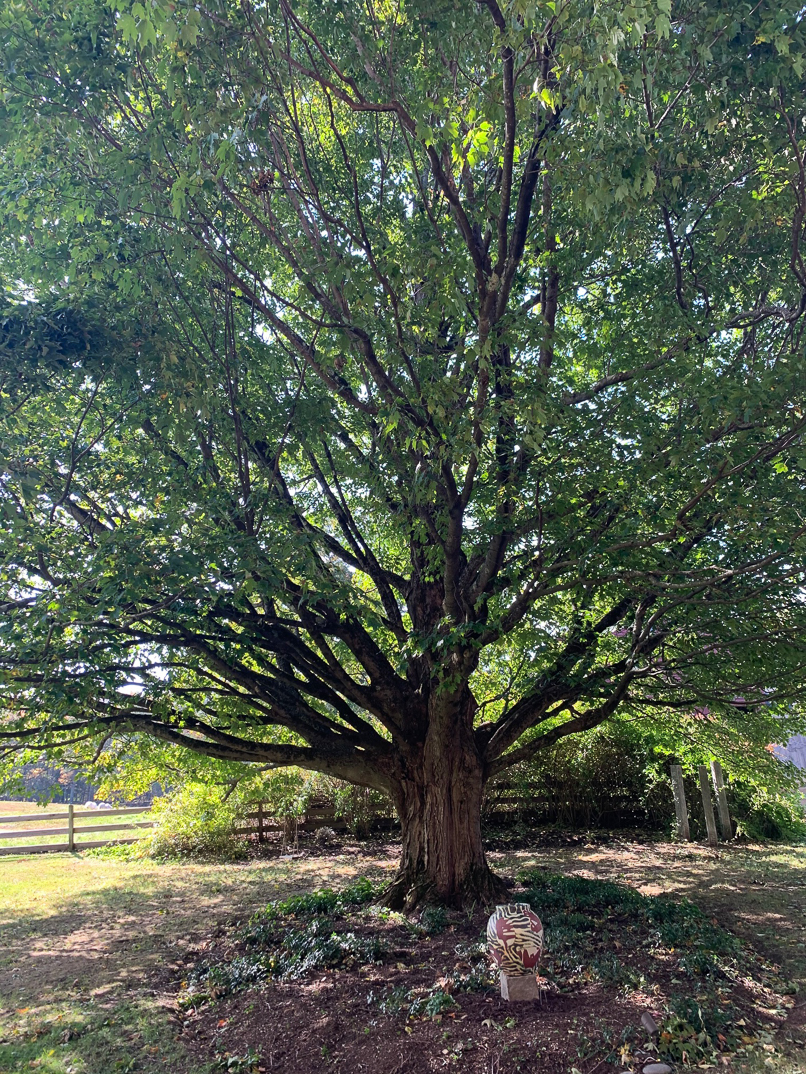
[
  {"x": 85, "y": 975},
  {"x": 89, "y": 966},
  {"x": 77, "y": 1035}
]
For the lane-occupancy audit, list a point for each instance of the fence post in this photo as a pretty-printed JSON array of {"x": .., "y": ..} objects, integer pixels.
[
  {"x": 260, "y": 822},
  {"x": 678, "y": 790},
  {"x": 721, "y": 800},
  {"x": 71, "y": 844},
  {"x": 708, "y": 806}
]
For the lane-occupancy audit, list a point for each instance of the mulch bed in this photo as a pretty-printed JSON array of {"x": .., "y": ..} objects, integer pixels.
[
  {"x": 328, "y": 1025},
  {"x": 406, "y": 1012}
]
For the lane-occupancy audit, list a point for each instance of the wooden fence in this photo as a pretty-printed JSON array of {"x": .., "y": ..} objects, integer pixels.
[
  {"x": 261, "y": 822},
  {"x": 72, "y": 830}
]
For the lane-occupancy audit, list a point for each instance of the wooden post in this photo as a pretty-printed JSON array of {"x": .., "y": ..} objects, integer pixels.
[
  {"x": 71, "y": 843},
  {"x": 721, "y": 800},
  {"x": 679, "y": 792},
  {"x": 708, "y": 806},
  {"x": 260, "y": 822}
]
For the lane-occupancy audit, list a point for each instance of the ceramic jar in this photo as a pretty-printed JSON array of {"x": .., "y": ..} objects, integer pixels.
[{"x": 515, "y": 939}]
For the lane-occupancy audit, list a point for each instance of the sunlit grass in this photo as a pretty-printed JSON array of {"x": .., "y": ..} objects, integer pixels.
[
  {"x": 82, "y": 1037},
  {"x": 82, "y": 817},
  {"x": 101, "y": 1021}
]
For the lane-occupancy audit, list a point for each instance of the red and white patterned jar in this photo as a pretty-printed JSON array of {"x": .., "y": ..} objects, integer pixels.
[{"x": 515, "y": 939}]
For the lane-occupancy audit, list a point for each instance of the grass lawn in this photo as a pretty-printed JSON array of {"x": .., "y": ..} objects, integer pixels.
[
  {"x": 93, "y": 951},
  {"x": 89, "y": 949}
]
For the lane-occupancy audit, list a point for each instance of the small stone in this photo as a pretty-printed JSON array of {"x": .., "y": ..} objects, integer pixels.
[
  {"x": 657, "y": 1068},
  {"x": 649, "y": 1023},
  {"x": 519, "y": 988}
]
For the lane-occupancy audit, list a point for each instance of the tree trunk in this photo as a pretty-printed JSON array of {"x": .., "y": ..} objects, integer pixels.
[{"x": 438, "y": 800}]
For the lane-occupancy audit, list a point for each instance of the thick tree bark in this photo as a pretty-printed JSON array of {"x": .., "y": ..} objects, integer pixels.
[{"x": 438, "y": 799}]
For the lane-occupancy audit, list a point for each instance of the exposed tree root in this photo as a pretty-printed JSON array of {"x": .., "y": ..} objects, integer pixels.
[{"x": 410, "y": 889}]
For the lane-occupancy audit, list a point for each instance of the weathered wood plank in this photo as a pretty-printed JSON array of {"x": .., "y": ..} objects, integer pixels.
[
  {"x": 61, "y": 848},
  {"x": 37, "y": 848},
  {"x": 121, "y": 826},
  {"x": 14, "y": 833},
  {"x": 721, "y": 800},
  {"x": 680, "y": 808},
  {"x": 24, "y": 818},
  {"x": 708, "y": 806},
  {"x": 77, "y": 830}
]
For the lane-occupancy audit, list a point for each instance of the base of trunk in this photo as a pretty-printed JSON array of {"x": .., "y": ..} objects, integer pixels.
[
  {"x": 438, "y": 797},
  {"x": 411, "y": 888}
]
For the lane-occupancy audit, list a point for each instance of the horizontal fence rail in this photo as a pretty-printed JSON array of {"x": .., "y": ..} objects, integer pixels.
[
  {"x": 263, "y": 822},
  {"x": 71, "y": 830},
  {"x": 503, "y": 800}
]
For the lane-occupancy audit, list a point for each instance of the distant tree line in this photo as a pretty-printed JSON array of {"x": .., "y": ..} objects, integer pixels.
[{"x": 56, "y": 783}]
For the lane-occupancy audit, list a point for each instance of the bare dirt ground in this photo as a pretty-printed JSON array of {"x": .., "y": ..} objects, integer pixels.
[{"x": 93, "y": 954}]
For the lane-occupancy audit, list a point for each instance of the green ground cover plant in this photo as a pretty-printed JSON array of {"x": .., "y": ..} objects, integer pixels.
[
  {"x": 323, "y": 901},
  {"x": 581, "y": 916},
  {"x": 596, "y": 931},
  {"x": 284, "y": 950}
]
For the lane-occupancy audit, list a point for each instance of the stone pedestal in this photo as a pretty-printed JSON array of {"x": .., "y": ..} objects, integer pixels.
[
  {"x": 519, "y": 988},
  {"x": 649, "y": 1023}
]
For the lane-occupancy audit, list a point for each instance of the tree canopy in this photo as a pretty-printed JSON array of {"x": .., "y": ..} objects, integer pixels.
[{"x": 394, "y": 389}]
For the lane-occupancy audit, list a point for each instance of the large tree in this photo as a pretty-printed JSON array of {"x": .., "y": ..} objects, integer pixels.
[{"x": 394, "y": 389}]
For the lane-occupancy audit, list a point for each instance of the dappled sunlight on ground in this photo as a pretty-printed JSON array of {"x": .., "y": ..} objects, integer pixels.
[
  {"x": 98, "y": 942},
  {"x": 105, "y": 923},
  {"x": 758, "y": 890}
]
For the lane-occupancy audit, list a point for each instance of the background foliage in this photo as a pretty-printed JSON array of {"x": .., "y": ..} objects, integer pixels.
[{"x": 361, "y": 364}]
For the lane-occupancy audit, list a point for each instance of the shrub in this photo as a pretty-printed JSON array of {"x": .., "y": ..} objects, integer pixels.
[
  {"x": 359, "y": 807},
  {"x": 289, "y": 792},
  {"x": 285, "y": 791},
  {"x": 618, "y": 776},
  {"x": 605, "y": 778},
  {"x": 197, "y": 820},
  {"x": 762, "y": 815}
]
